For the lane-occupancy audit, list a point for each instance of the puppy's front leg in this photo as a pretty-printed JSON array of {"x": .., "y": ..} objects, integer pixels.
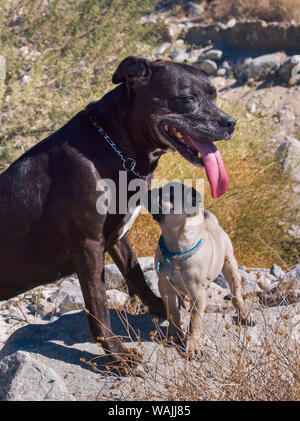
[
  {"x": 231, "y": 272},
  {"x": 198, "y": 301},
  {"x": 173, "y": 313}
]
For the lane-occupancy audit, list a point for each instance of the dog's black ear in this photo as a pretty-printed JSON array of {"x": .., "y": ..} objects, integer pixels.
[{"x": 132, "y": 68}]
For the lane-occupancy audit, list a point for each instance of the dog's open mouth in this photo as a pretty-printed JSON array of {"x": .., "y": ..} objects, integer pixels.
[{"x": 201, "y": 153}]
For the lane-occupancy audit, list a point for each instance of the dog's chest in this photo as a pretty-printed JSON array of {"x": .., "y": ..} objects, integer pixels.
[{"x": 128, "y": 222}]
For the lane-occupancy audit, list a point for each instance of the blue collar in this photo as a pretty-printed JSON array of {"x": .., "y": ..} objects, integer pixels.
[{"x": 177, "y": 256}]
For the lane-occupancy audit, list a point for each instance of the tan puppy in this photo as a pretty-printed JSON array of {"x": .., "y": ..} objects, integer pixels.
[{"x": 192, "y": 251}]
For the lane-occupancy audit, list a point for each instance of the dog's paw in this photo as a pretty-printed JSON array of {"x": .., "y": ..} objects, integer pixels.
[{"x": 157, "y": 307}]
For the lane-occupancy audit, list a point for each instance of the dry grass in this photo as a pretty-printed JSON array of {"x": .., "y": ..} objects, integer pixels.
[
  {"x": 268, "y": 10},
  {"x": 236, "y": 363}
]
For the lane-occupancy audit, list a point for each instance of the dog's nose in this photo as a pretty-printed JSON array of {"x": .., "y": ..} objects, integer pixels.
[{"x": 228, "y": 122}]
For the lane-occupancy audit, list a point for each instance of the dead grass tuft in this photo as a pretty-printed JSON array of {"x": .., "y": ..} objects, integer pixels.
[{"x": 268, "y": 10}]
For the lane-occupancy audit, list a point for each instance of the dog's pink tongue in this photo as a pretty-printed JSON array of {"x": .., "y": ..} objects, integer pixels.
[{"x": 214, "y": 167}]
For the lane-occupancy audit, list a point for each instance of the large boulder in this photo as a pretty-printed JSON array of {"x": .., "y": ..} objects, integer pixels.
[
  {"x": 24, "y": 378},
  {"x": 259, "y": 68}
]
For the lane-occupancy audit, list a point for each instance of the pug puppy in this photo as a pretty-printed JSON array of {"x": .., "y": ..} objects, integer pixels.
[{"x": 192, "y": 251}]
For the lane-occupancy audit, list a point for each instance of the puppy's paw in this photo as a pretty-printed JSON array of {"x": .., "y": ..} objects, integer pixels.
[
  {"x": 193, "y": 349},
  {"x": 244, "y": 320}
]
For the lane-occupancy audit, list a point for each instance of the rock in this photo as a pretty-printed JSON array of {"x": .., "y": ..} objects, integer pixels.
[
  {"x": 2, "y": 67},
  {"x": 215, "y": 302},
  {"x": 23, "y": 378},
  {"x": 260, "y": 67},
  {"x": 255, "y": 279},
  {"x": 173, "y": 31},
  {"x": 246, "y": 35},
  {"x": 61, "y": 354},
  {"x": 152, "y": 281},
  {"x": 209, "y": 67},
  {"x": 193, "y": 10},
  {"x": 231, "y": 23},
  {"x": 287, "y": 68},
  {"x": 277, "y": 271},
  {"x": 294, "y": 274},
  {"x": 146, "y": 263},
  {"x": 113, "y": 277},
  {"x": 214, "y": 55},
  {"x": 161, "y": 49},
  {"x": 294, "y": 231},
  {"x": 221, "y": 72},
  {"x": 221, "y": 281},
  {"x": 288, "y": 153},
  {"x": 26, "y": 79},
  {"x": 116, "y": 298},
  {"x": 251, "y": 107},
  {"x": 163, "y": 6},
  {"x": 70, "y": 295},
  {"x": 178, "y": 55},
  {"x": 194, "y": 55}
]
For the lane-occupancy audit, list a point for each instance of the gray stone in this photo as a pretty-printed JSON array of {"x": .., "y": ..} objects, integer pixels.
[
  {"x": 26, "y": 79},
  {"x": 214, "y": 55},
  {"x": 209, "y": 67},
  {"x": 294, "y": 274},
  {"x": 221, "y": 72},
  {"x": 277, "y": 271},
  {"x": 221, "y": 281},
  {"x": 260, "y": 67},
  {"x": 152, "y": 281},
  {"x": 287, "y": 68},
  {"x": 60, "y": 352},
  {"x": 113, "y": 277},
  {"x": 294, "y": 231},
  {"x": 70, "y": 295},
  {"x": 116, "y": 298},
  {"x": 288, "y": 153},
  {"x": 146, "y": 263},
  {"x": 2, "y": 67},
  {"x": 161, "y": 49},
  {"x": 194, "y": 10},
  {"x": 179, "y": 55},
  {"x": 24, "y": 378},
  {"x": 246, "y": 35}
]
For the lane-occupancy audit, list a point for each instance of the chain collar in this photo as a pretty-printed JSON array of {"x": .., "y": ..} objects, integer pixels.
[{"x": 128, "y": 163}]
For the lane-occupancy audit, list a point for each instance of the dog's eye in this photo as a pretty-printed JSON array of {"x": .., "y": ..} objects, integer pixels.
[
  {"x": 182, "y": 104},
  {"x": 186, "y": 98}
]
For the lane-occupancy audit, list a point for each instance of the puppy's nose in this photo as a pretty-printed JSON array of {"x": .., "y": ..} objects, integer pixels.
[{"x": 228, "y": 122}]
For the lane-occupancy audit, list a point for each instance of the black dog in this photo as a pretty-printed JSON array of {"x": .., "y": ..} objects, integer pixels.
[{"x": 49, "y": 224}]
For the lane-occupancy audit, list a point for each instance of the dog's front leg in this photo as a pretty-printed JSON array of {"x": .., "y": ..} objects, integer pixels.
[
  {"x": 89, "y": 263},
  {"x": 125, "y": 259}
]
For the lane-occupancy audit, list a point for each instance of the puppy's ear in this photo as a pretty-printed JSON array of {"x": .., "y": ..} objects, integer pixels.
[{"x": 132, "y": 69}]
